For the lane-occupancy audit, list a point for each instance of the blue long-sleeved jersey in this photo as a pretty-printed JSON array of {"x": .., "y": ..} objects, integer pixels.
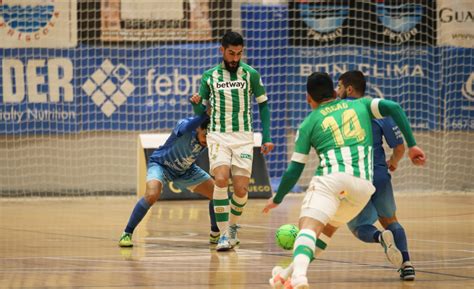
[{"x": 182, "y": 147}]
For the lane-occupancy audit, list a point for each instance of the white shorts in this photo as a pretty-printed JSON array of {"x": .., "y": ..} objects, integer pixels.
[
  {"x": 336, "y": 198},
  {"x": 233, "y": 149}
]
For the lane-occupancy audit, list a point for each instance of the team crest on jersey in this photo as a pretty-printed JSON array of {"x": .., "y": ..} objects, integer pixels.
[{"x": 226, "y": 85}]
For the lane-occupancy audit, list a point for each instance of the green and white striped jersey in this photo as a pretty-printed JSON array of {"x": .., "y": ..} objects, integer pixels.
[
  {"x": 229, "y": 94},
  {"x": 341, "y": 133}
]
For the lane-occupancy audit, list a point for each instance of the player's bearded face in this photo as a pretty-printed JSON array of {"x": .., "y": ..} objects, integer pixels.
[
  {"x": 232, "y": 56},
  {"x": 341, "y": 90}
]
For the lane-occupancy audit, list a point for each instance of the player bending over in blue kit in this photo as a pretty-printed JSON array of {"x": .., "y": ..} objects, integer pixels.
[
  {"x": 382, "y": 203},
  {"x": 175, "y": 162}
]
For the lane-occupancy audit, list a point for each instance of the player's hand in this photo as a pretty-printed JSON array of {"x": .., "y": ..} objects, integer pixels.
[
  {"x": 392, "y": 165},
  {"x": 267, "y": 147},
  {"x": 195, "y": 99},
  {"x": 270, "y": 205},
  {"x": 417, "y": 156}
]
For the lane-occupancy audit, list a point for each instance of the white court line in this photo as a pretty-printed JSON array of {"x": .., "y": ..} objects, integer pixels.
[{"x": 227, "y": 269}]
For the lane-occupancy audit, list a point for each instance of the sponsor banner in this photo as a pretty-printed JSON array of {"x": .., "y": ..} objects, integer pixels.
[
  {"x": 455, "y": 23},
  {"x": 62, "y": 91},
  {"x": 38, "y": 23},
  {"x": 319, "y": 22},
  {"x": 458, "y": 88},
  {"x": 359, "y": 22},
  {"x": 259, "y": 186},
  {"x": 403, "y": 22},
  {"x": 164, "y": 20},
  {"x": 408, "y": 76}
]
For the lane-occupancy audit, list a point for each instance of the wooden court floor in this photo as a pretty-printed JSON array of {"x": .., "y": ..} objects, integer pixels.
[{"x": 72, "y": 243}]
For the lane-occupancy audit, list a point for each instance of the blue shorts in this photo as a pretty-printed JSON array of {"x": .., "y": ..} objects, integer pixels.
[
  {"x": 382, "y": 202},
  {"x": 191, "y": 178}
]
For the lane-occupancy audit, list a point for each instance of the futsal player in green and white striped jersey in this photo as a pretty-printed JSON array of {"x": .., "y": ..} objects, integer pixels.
[
  {"x": 228, "y": 89},
  {"x": 341, "y": 133}
]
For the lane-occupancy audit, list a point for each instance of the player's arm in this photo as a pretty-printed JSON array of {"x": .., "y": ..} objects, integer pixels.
[
  {"x": 264, "y": 109},
  {"x": 397, "y": 154},
  {"x": 293, "y": 172},
  {"x": 199, "y": 101},
  {"x": 394, "y": 139},
  {"x": 188, "y": 125},
  {"x": 381, "y": 108}
]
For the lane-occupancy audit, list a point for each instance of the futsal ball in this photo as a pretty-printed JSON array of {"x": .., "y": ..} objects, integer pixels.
[{"x": 285, "y": 236}]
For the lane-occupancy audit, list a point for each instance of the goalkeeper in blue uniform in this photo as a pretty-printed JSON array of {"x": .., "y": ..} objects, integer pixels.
[
  {"x": 175, "y": 162},
  {"x": 381, "y": 206}
]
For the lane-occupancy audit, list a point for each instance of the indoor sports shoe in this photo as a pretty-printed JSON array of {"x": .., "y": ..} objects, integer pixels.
[
  {"x": 277, "y": 281},
  {"x": 126, "y": 240},
  {"x": 233, "y": 235},
  {"x": 223, "y": 244},
  {"x": 391, "y": 251},
  {"x": 407, "y": 271},
  {"x": 300, "y": 282},
  {"x": 214, "y": 239}
]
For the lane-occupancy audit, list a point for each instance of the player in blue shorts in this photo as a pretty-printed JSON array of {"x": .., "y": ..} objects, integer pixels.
[
  {"x": 382, "y": 203},
  {"x": 175, "y": 162}
]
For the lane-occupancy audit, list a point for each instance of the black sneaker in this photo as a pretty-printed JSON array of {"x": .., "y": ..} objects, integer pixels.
[{"x": 407, "y": 272}]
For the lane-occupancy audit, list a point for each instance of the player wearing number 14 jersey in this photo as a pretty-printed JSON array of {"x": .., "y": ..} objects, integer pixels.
[{"x": 340, "y": 132}]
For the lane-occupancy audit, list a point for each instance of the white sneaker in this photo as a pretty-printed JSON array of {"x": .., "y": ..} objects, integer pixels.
[
  {"x": 394, "y": 255},
  {"x": 277, "y": 281},
  {"x": 300, "y": 282},
  {"x": 233, "y": 235},
  {"x": 223, "y": 244}
]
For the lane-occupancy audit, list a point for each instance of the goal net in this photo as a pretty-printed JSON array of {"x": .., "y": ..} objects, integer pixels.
[{"x": 81, "y": 79}]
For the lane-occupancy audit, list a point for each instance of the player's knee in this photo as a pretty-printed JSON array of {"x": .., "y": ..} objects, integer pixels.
[
  {"x": 387, "y": 221},
  {"x": 153, "y": 189},
  {"x": 354, "y": 232},
  {"x": 241, "y": 191},
  {"x": 221, "y": 181}
]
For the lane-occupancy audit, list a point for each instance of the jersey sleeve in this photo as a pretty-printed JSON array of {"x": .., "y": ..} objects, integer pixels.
[
  {"x": 204, "y": 89},
  {"x": 302, "y": 143},
  {"x": 391, "y": 132},
  {"x": 380, "y": 108},
  {"x": 257, "y": 87},
  {"x": 179, "y": 127},
  {"x": 189, "y": 124}
]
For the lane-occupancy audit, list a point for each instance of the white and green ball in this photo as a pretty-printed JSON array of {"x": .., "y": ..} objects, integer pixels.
[{"x": 285, "y": 236}]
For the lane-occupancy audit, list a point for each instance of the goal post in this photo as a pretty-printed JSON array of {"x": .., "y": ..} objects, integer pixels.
[{"x": 81, "y": 80}]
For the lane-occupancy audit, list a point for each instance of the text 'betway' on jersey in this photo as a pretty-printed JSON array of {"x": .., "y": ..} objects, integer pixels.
[{"x": 230, "y": 85}]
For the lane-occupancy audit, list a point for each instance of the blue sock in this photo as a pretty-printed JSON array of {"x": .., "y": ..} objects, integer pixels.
[
  {"x": 367, "y": 233},
  {"x": 400, "y": 239},
  {"x": 212, "y": 216},
  {"x": 140, "y": 210}
]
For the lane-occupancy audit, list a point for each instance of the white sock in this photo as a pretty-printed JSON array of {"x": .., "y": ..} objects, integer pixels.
[
  {"x": 236, "y": 207},
  {"x": 220, "y": 201},
  {"x": 321, "y": 244},
  {"x": 303, "y": 252}
]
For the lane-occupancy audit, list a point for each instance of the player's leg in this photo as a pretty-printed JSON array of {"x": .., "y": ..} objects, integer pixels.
[
  {"x": 324, "y": 239},
  {"x": 304, "y": 250},
  {"x": 280, "y": 274},
  {"x": 154, "y": 185},
  {"x": 334, "y": 199},
  {"x": 242, "y": 157},
  {"x": 362, "y": 225},
  {"x": 197, "y": 180},
  {"x": 220, "y": 162},
  {"x": 238, "y": 201},
  {"x": 386, "y": 209}
]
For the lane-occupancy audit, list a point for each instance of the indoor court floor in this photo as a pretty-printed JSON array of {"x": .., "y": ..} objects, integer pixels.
[{"x": 72, "y": 243}]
